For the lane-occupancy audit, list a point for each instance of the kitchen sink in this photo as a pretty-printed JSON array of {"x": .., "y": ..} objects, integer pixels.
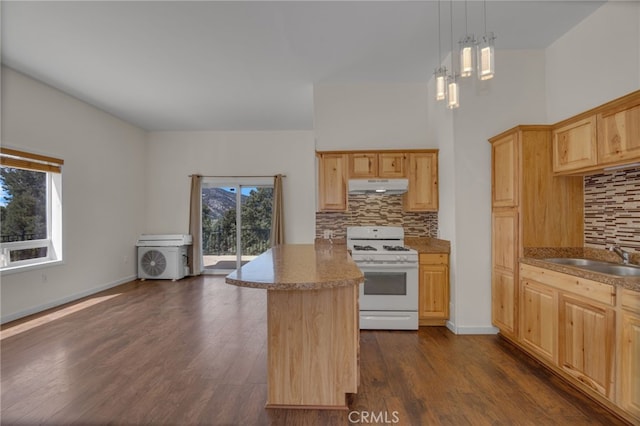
[{"x": 598, "y": 266}]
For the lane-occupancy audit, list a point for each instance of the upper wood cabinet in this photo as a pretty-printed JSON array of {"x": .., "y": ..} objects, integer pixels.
[
  {"x": 363, "y": 165},
  {"x": 335, "y": 168},
  {"x": 391, "y": 165},
  {"x": 332, "y": 182},
  {"x": 504, "y": 174},
  {"x": 373, "y": 165},
  {"x": 619, "y": 133},
  {"x": 423, "y": 182},
  {"x": 574, "y": 145},
  {"x": 606, "y": 136}
]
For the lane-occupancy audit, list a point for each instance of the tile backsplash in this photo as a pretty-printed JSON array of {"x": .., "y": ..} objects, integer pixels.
[
  {"x": 377, "y": 210},
  {"x": 612, "y": 209}
]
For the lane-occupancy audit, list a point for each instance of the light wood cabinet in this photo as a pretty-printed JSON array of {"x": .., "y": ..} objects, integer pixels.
[
  {"x": 530, "y": 208},
  {"x": 619, "y": 133},
  {"x": 335, "y": 168},
  {"x": 629, "y": 353},
  {"x": 504, "y": 257},
  {"x": 586, "y": 337},
  {"x": 391, "y": 165},
  {"x": 433, "y": 290},
  {"x": 423, "y": 182},
  {"x": 539, "y": 319},
  {"x": 377, "y": 165},
  {"x": 332, "y": 184},
  {"x": 363, "y": 165},
  {"x": 574, "y": 145},
  {"x": 504, "y": 176},
  {"x": 606, "y": 136}
]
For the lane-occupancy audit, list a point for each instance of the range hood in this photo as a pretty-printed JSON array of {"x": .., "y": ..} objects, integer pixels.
[{"x": 378, "y": 186}]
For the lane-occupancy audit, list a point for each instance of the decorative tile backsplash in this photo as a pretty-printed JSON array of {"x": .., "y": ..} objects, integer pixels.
[
  {"x": 377, "y": 210},
  {"x": 612, "y": 209}
]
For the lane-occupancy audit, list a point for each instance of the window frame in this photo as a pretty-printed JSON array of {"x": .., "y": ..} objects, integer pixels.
[{"x": 52, "y": 167}]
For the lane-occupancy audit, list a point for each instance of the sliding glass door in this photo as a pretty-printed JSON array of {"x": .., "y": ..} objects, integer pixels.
[{"x": 236, "y": 221}]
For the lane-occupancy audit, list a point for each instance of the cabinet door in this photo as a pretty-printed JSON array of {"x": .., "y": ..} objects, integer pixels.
[
  {"x": 539, "y": 319},
  {"x": 586, "y": 339},
  {"x": 504, "y": 256},
  {"x": 423, "y": 182},
  {"x": 333, "y": 182},
  {"x": 363, "y": 165},
  {"x": 619, "y": 134},
  {"x": 503, "y": 295},
  {"x": 630, "y": 368},
  {"x": 433, "y": 289},
  {"x": 574, "y": 145},
  {"x": 391, "y": 165},
  {"x": 505, "y": 240},
  {"x": 504, "y": 171}
]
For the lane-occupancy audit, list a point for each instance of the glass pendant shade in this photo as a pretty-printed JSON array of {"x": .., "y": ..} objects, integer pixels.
[
  {"x": 467, "y": 50},
  {"x": 486, "y": 57},
  {"x": 441, "y": 83},
  {"x": 453, "y": 100}
]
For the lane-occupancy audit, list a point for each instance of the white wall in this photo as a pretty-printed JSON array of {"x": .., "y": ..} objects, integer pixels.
[
  {"x": 515, "y": 96},
  {"x": 597, "y": 61},
  {"x": 371, "y": 116},
  {"x": 173, "y": 156},
  {"x": 103, "y": 192}
]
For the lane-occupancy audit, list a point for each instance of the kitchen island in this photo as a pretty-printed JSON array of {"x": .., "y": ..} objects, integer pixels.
[{"x": 312, "y": 323}]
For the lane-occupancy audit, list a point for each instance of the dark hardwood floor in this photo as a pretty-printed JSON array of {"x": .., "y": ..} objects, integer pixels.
[{"x": 193, "y": 352}]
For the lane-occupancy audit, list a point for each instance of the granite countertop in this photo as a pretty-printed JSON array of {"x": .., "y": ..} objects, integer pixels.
[
  {"x": 428, "y": 245},
  {"x": 299, "y": 267},
  {"x": 536, "y": 256}
]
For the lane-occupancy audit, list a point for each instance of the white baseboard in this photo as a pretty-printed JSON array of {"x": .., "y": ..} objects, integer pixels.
[
  {"x": 62, "y": 301},
  {"x": 471, "y": 329}
]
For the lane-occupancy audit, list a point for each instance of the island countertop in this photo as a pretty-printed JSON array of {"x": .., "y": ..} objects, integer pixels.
[
  {"x": 299, "y": 267},
  {"x": 312, "y": 323}
]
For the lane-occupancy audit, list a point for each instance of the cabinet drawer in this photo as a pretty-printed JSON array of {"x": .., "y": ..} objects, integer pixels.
[
  {"x": 630, "y": 300},
  {"x": 434, "y": 258},
  {"x": 589, "y": 289}
]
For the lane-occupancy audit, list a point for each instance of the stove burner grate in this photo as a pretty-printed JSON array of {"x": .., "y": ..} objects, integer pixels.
[
  {"x": 364, "y": 248},
  {"x": 395, "y": 248}
]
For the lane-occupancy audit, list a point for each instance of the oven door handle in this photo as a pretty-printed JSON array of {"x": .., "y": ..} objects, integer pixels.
[{"x": 372, "y": 267}]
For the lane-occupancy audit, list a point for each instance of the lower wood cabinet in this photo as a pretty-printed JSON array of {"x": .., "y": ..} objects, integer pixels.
[
  {"x": 433, "y": 290},
  {"x": 629, "y": 354},
  {"x": 539, "y": 319},
  {"x": 586, "y": 331},
  {"x": 586, "y": 336}
]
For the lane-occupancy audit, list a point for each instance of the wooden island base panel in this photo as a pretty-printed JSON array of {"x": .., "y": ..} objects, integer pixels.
[{"x": 312, "y": 323}]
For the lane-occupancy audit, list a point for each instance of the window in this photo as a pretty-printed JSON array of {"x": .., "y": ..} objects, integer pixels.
[{"x": 30, "y": 209}]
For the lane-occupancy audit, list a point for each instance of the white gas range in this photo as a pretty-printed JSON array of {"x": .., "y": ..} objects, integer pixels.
[{"x": 389, "y": 294}]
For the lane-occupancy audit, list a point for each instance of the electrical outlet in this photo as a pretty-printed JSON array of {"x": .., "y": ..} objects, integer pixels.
[{"x": 327, "y": 234}]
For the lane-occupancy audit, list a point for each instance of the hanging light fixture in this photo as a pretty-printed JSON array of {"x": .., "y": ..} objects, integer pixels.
[
  {"x": 453, "y": 96},
  {"x": 486, "y": 51},
  {"x": 441, "y": 72},
  {"x": 467, "y": 48}
]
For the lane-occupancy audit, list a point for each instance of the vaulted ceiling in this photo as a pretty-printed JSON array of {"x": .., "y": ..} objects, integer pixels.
[{"x": 240, "y": 65}]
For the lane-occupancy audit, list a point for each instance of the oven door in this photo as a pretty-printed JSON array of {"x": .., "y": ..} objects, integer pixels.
[{"x": 389, "y": 287}]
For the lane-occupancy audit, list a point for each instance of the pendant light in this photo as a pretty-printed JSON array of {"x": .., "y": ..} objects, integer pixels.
[
  {"x": 453, "y": 96},
  {"x": 486, "y": 51},
  {"x": 441, "y": 72},
  {"x": 467, "y": 49}
]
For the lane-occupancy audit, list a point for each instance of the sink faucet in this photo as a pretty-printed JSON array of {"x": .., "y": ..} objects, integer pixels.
[{"x": 620, "y": 252}]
